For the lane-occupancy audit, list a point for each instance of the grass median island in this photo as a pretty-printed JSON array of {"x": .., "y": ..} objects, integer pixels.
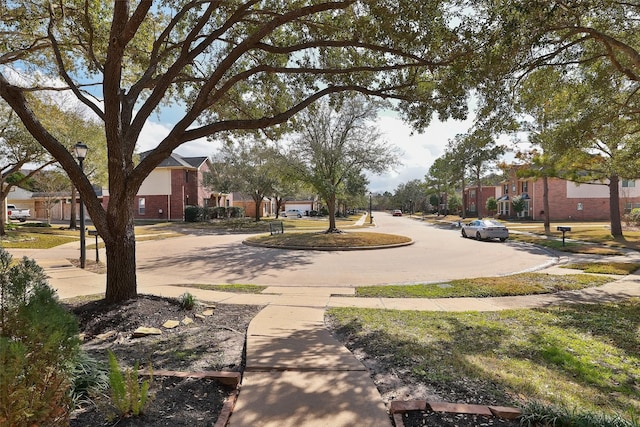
[
  {"x": 517, "y": 284},
  {"x": 583, "y": 357},
  {"x": 329, "y": 240}
]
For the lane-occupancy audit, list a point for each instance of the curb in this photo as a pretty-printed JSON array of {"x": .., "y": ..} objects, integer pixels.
[{"x": 326, "y": 249}]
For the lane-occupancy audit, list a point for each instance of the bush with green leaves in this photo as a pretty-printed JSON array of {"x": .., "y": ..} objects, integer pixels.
[
  {"x": 89, "y": 377},
  {"x": 541, "y": 414},
  {"x": 633, "y": 217},
  {"x": 192, "y": 214},
  {"x": 235, "y": 212},
  {"x": 491, "y": 205},
  {"x": 128, "y": 396},
  {"x": 38, "y": 346}
]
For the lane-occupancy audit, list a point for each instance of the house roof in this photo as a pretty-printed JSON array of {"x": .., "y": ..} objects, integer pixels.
[{"x": 177, "y": 161}]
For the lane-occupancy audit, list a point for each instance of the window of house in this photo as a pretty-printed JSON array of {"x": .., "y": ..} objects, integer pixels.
[
  {"x": 506, "y": 189},
  {"x": 627, "y": 207},
  {"x": 628, "y": 183},
  {"x": 141, "y": 206},
  {"x": 525, "y": 187},
  {"x": 186, "y": 176}
]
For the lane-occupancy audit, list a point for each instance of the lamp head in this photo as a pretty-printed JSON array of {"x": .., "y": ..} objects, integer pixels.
[{"x": 81, "y": 150}]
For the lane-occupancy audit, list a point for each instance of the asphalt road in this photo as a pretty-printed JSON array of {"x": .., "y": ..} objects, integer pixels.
[{"x": 438, "y": 254}]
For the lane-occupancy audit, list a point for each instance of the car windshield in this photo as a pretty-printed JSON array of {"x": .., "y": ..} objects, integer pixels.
[{"x": 491, "y": 223}]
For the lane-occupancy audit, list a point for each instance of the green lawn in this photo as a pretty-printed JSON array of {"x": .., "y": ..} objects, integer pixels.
[
  {"x": 517, "y": 284},
  {"x": 582, "y": 357}
]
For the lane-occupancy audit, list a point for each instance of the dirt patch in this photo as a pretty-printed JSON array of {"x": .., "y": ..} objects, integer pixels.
[{"x": 211, "y": 343}]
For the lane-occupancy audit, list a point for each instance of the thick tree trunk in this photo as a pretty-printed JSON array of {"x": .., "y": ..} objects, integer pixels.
[
  {"x": 72, "y": 217},
  {"x": 464, "y": 208},
  {"x": 331, "y": 205},
  {"x": 614, "y": 206},
  {"x": 478, "y": 207},
  {"x": 121, "y": 264},
  {"x": 257, "y": 198},
  {"x": 545, "y": 205}
]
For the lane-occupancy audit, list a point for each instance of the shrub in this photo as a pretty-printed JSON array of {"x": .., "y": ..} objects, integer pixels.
[
  {"x": 541, "y": 414},
  {"x": 187, "y": 301},
  {"x": 192, "y": 214},
  {"x": 492, "y": 205},
  {"x": 127, "y": 395},
  {"x": 633, "y": 217},
  {"x": 218, "y": 212},
  {"x": 38, "y": 344},
  {"x": 236, "y": 212},
  {"x": 89, "y": 376}
]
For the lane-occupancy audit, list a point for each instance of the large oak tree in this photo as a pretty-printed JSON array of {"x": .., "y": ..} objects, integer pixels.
[{"x": 229, "y": 65}]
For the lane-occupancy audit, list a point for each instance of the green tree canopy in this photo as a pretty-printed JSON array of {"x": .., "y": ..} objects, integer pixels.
[
  {"x": 230, "y": 66},
  {"x": 336, "y": 143}
]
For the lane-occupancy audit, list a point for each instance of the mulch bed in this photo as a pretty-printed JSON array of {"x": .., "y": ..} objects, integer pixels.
[{"x": 211, "y": 343}]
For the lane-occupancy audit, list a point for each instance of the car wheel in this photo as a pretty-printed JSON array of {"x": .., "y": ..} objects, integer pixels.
[
  {"x": 478, "y": 236},
  {"x": 464, "y": 233},
  {"x": 502, "y": 239}
]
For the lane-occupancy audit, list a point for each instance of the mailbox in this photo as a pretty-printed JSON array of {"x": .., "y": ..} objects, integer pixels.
[
  {"x": 564, "y": 229},
  {"x": 93, "y": 232}
]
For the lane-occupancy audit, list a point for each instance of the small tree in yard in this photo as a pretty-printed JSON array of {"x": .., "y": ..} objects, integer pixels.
[
  {"x": 247, "y": 167},
  {"x": 519, "y": 204},
  {"x": 491, "y": 205},
  {"x": 337, "y": 143}
]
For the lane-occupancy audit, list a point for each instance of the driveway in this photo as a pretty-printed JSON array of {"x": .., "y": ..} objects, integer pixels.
[{"x": 438, "y": 254}]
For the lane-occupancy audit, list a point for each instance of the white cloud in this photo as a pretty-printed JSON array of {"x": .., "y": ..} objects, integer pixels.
[{"x": 419, "y": 150}]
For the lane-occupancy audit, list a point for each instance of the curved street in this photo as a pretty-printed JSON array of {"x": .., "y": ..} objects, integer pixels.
[{"x": 438, "y": 254}]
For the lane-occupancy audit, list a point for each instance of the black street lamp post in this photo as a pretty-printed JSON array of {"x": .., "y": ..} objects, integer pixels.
[
  {"x": 81, "y": 153},
  {"x": 370, "y": 216}
]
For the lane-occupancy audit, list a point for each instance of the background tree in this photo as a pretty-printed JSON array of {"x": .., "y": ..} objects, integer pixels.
[
  {"x": 355, "y": 189},
  {"x": 248, "y": 167},
  {"x": 17, "y": 149},
  {"x": 335, "y": 143},
  {"x": 491, "y": 205},
  {"x": 229, "y": 66},
  {"x": 440, "y": 178},
  {"x": 52, "y": 186},
  {"x": 413, "y": 190},
  {"x": 519, "y": 204}
]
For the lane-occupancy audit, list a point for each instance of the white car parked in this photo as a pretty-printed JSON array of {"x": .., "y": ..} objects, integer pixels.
[
  {"x": 483, "y": 229},
  {"x": 293, "y": 213}
]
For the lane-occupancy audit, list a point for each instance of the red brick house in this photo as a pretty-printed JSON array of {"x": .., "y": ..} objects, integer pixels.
[
  {"x": 469, "y": 200},
  {"x": 567, "y": 200},
  {"x": 267, "y": 206},
  {"x": 174, "y": 184}
]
